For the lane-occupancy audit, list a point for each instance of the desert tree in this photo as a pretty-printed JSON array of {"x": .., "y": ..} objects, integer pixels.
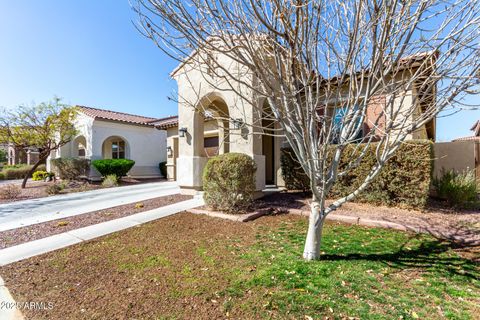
[
  {"x": 322, "y": 65},
  {"x": 46, "y": 127}
]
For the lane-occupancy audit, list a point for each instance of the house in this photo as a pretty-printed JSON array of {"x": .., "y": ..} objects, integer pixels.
[
  {"x": 460, "y": 155},
  {"x": 105, "y": 134},
  {"x": 194, "y": 136},
  {"x": 17, "y": 155}
]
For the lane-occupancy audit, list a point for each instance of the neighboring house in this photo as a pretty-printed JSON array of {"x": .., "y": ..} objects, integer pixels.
[
  {"x": 461, "y": 154},
  {"x": 193, "y": 137},
  {"x": 17, "y": 155},
  {"x": 105, "y": 134}
]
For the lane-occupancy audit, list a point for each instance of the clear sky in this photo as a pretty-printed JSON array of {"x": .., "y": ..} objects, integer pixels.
[{"x": 89, "y": 53}]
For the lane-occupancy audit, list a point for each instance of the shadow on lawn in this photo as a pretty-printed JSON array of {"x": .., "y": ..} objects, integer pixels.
[{"x": 429, "y": 256}]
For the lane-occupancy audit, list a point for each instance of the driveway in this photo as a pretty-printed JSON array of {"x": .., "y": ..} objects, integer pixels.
[{"x": 24, "y": 213}]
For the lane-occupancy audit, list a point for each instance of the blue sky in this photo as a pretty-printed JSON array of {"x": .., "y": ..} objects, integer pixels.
[{"x": 89, "y": 53}]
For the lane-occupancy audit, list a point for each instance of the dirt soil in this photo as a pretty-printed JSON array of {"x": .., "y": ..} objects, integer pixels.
[
  {"x": 21, "y": 235},
  {"x": 37, "y": 189},
  {"x": 441, "y": 222},
  {"x": 142, "y": 290}
]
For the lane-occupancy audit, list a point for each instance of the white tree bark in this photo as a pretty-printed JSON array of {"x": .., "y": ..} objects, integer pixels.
[{"x": 314, "y": 234}]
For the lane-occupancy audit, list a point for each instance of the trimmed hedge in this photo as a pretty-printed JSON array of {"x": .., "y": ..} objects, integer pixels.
[
  {"x": 404, "y": 181},
  {"x": 70, "y": 168},
  {"x": 229, "y": 182},
  {"x": 118, "y": 167},
  {"x": 18, "y": 171}
]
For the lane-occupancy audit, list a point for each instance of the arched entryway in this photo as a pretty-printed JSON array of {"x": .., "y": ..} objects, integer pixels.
[
  {"x": 211, "y": 122},
  {"x": 115, "y": 147},
  {"x": 79, "y": 147}
]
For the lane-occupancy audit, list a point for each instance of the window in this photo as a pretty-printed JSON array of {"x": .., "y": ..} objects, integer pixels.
[
  {"x": 338, "y": 123},
  {"x": 210, "y": 142},
  {"x": 118, "y": 149},
  {"x": 81, "y": 150}
]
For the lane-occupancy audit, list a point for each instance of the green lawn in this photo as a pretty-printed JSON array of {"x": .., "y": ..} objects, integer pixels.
[
  {"x": 365, "y": 273},
  {"x": 196, "y": 267}
]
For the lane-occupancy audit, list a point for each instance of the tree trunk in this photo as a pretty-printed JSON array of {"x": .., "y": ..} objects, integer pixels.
[
  {"x": 35, "y": 166},
  {"x": 314, "y": 234}
]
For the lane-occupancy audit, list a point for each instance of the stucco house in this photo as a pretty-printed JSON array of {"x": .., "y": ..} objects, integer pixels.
[
  {"x": 193, "y": 137},
  {"x": 105, "y": 134}
]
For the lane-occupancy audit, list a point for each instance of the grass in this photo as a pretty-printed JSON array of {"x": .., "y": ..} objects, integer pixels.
[
  {"x": 363, "y": 273},
  {"x": 188, "y": 266}
]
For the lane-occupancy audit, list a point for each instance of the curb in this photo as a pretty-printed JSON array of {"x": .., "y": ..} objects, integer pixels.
[
  {"x": 62, "y": 240},
  {"x": 332, "y": 217},
  {"x": 6, "y": 298}
]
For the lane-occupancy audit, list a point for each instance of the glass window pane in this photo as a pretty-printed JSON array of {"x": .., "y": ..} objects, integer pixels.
[{"x": 121, "y": 155}]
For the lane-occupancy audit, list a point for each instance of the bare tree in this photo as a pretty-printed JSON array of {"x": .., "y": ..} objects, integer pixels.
[{"x": 321, "y": 64}]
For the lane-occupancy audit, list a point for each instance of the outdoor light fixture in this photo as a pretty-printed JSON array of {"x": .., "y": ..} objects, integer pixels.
[
  {"x": 169, "y": 151},
  {"x": 237, "y": 123},
  {"x": 182, "y": 132}
]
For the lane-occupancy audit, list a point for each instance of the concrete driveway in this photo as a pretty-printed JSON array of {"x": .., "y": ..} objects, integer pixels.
[{"x": 24, "y": 213}]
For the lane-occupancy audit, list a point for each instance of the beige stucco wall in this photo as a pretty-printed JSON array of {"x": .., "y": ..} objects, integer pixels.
[
  {"x": 144, "y": 144},
  {"x": 195, "y": 92},
  {"x": 457, "y": 155}
]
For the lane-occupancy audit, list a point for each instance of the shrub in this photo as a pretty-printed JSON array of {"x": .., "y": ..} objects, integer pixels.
[
  {"x": 109, "y": 181},
  {"x": 2, "y": 176},
  {"x": 56, "y": 188},
  {"x": 70, "y": 168},
  {"x": 229, "y": 182},
  {"x": 118, "y": 167},
  {"x": 10, "y": 192},
  {"x": 40, "y": 175},
  {"x": 16, "y": 173},
  {"x": 293, "y": 174},
  {"x": 163, "y": 168},
  {"x": 459, "y": 189},
  {"x": 404, "y": 181}
]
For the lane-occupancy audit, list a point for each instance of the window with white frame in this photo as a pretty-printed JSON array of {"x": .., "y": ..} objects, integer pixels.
[{"x": 118, "y": 149}]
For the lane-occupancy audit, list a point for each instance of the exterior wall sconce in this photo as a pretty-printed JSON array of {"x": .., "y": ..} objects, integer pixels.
[
  {"x": 237, "y": 124},
  {"x": 169, "y": 151},
  {"x": 182, "y": 132}
]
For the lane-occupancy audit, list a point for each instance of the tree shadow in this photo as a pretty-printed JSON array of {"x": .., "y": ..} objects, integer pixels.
[{"x": 429, "y": 256}]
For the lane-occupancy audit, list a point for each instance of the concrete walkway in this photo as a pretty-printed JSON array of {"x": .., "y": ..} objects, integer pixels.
[
  {"x": 8, "y": 309},
  {"x": 24, "y": 213},
  {"x": 36, "y": 247}
]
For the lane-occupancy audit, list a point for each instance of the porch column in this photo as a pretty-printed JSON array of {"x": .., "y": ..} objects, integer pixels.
[{"x": 191, "y": 158}]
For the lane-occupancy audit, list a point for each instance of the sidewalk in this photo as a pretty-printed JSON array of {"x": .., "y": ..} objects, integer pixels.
[
  {"x": 24, "y": 213},
  {"x": 37, "y": 247}
]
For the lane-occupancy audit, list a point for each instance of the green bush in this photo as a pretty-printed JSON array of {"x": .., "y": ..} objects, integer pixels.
[
  {"x": 293, "y": 174},
  {"x": 404, "y": 181},
  {"x": 229, "y": 182},
  {"x": 2, "y": 176},
  {"x": 19, "y": 171},
  {"x": 459, "y": 189},
  {"x": 109, "y": 181},
  {"x": 40, "y": 175},
  {"x": 118, "y": 167},
  {"x": 70, "y": 168},
  {"x": 163, "y": 168}
]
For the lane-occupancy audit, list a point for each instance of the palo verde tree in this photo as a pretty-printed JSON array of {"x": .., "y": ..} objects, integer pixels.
[
  {"x": 334, "y": 73},
  {"x": 45, "y": 127}
]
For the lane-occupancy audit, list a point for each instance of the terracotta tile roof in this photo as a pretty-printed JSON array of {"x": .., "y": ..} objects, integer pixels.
[
  {"x": 116, "y": 116},
  {"x": 467, "y": 138},
  {"x": 165, "y": 123}
]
